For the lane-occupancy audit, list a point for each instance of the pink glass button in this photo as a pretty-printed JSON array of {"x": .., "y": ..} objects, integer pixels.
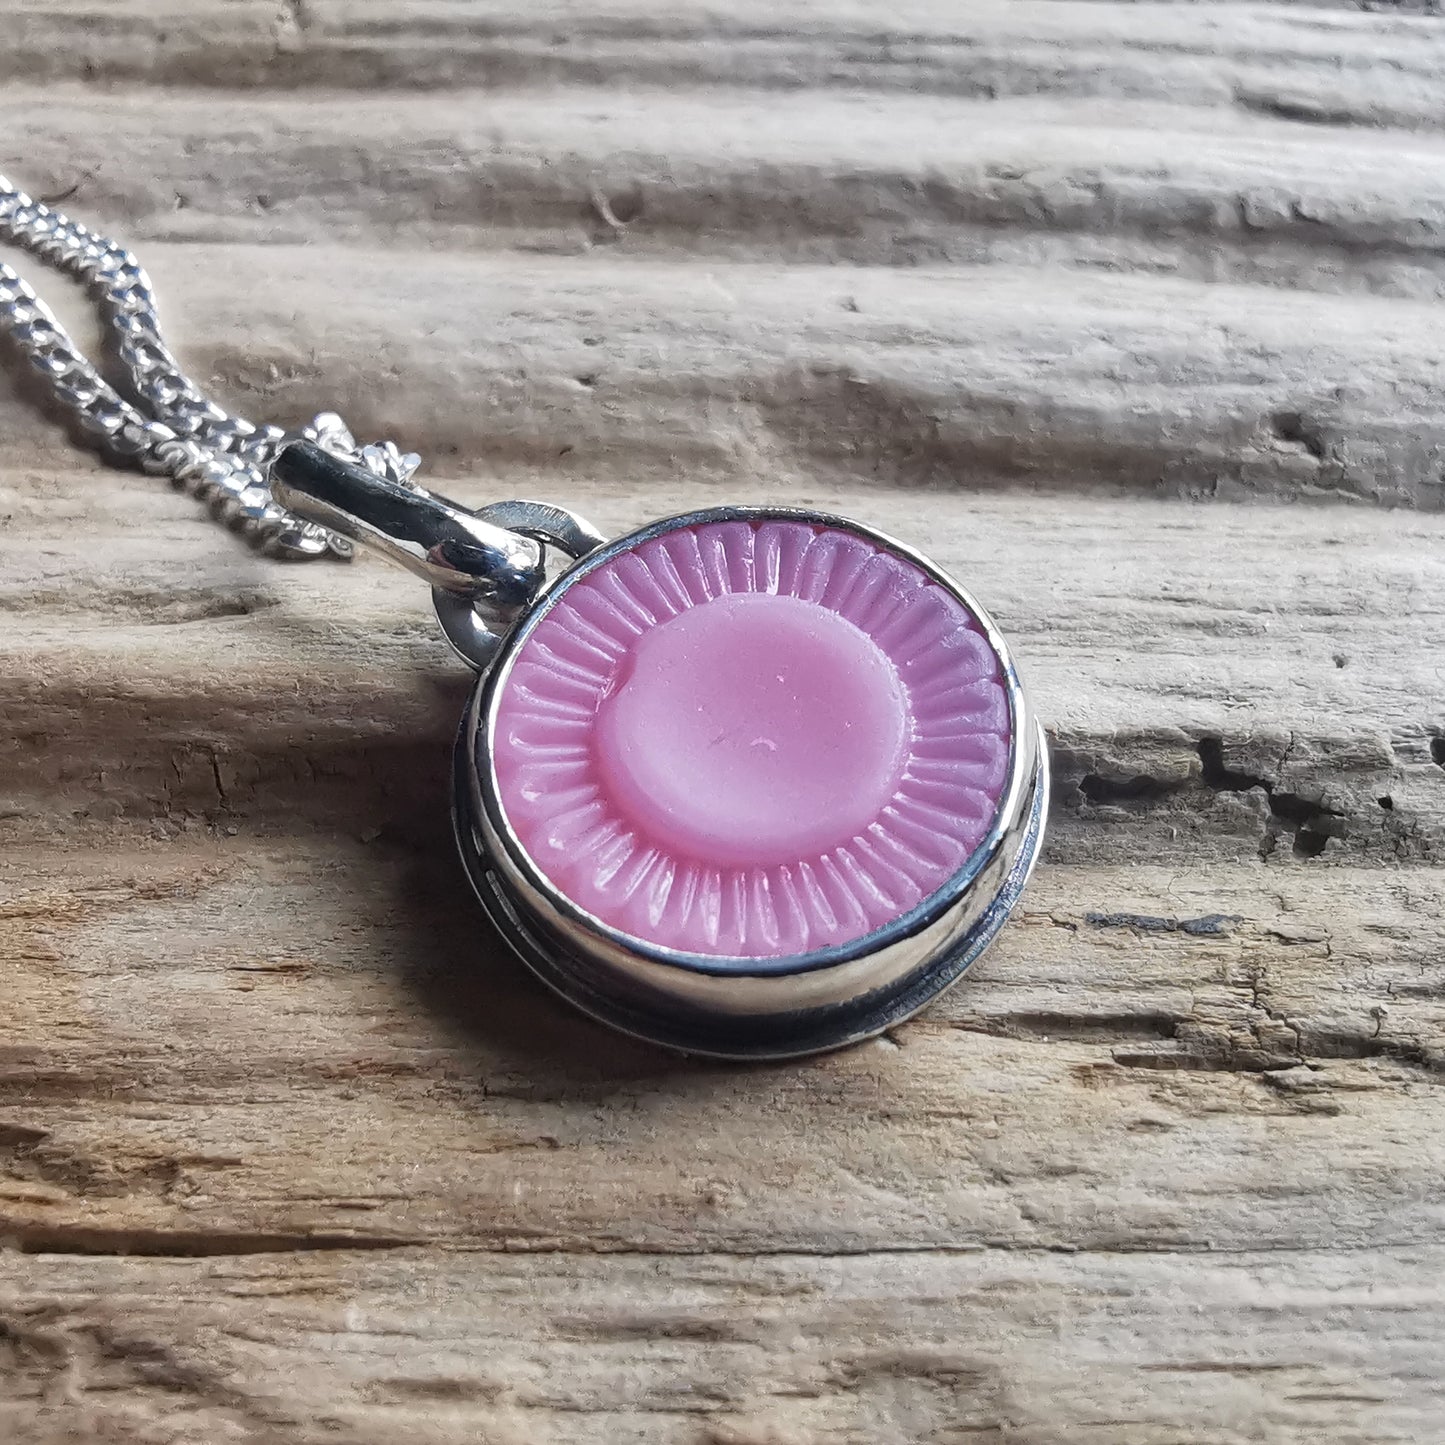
[
  {"x": 752, "y": 739},
  {"x": 753, "y": 731}
]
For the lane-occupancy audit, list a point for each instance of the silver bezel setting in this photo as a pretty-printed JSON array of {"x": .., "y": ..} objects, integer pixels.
[{"x": 747, "y": 1007}]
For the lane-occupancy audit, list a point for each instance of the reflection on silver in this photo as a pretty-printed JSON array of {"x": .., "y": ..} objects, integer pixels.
[{"x": 485, "y": 567}]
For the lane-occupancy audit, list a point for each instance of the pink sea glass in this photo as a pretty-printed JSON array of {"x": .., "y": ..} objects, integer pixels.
[{"x": 752, "y": 739}]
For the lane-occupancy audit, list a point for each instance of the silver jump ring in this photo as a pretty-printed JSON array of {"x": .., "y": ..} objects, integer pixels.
[{"x": 462, "y": 625}]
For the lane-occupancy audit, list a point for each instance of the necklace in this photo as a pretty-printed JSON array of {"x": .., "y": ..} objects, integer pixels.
[{"x": 751, "y": 782}]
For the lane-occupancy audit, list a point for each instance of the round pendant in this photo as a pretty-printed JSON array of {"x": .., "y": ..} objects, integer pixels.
[{"x": 751, "y": 782}]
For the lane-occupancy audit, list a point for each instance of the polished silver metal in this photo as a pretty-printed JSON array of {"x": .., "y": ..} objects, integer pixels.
[
  {"x": 472, "y": 632},
  {"x": 746, "y": 1007},
  {"x": 447, "y": 546},
  {"x": 484, "y": 567},
  {"x": 167, "y": 426}
]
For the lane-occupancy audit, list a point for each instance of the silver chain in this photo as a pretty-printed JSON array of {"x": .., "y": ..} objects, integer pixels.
[{"x": 169, "y": 426}]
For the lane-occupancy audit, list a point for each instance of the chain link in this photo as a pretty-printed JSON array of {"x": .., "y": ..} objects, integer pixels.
[{"x": 168, "y": 426}]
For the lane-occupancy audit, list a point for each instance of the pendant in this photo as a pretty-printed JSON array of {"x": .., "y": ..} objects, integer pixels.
[{"x": 752, "y": 782}]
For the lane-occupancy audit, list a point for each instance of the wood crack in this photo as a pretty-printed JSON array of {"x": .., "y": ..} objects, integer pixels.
[
  {"x": 602, "y": 1249},
  {"x": 32, "y": 1237},
  {"x": 1359, "y": 809}
]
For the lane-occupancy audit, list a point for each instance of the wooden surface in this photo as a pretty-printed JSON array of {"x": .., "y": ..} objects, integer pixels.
[{"x": 1134, "y": 316}]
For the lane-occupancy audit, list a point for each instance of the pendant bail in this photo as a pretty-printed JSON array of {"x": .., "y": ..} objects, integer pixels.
[
  {"x": 485, "y": 567},
  {"x": 446, "y": 545}
]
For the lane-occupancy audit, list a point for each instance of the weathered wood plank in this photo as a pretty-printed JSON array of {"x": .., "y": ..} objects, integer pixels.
[
  {"x": 1131, "y": 184},
  {"x": 892, "y": 1348},
  {"x": 610, "y": 367},
  {"x": 315, "y": 1042},
  {"x": 1317, "y": 64}
]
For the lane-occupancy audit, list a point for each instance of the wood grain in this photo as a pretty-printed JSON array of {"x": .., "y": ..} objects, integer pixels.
[{"x": 1132, "y": 316}]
